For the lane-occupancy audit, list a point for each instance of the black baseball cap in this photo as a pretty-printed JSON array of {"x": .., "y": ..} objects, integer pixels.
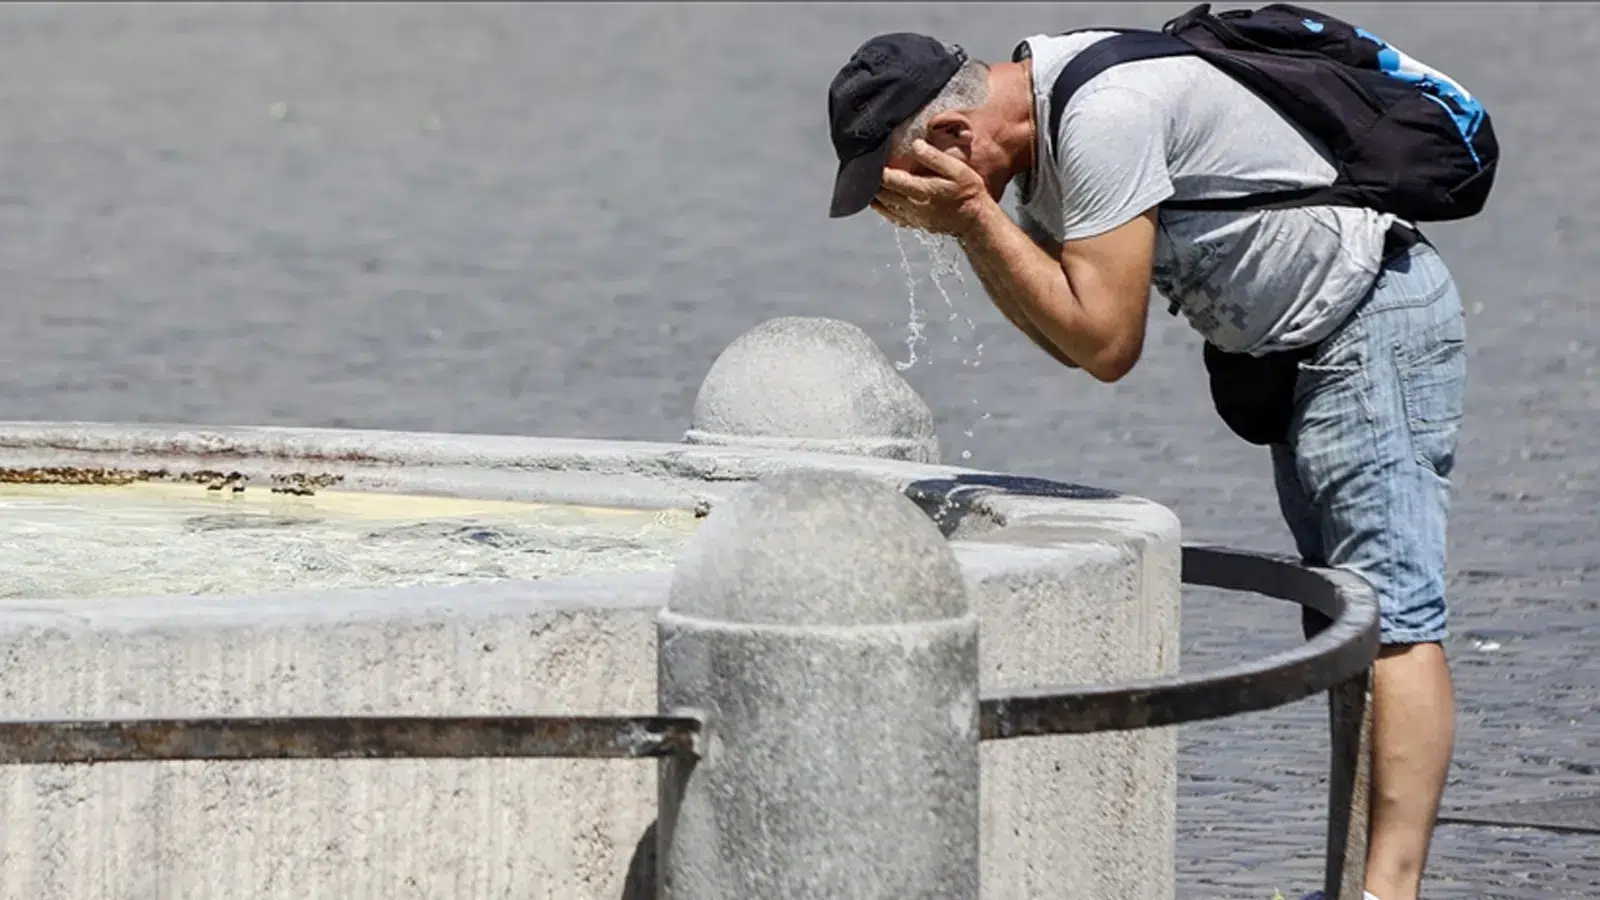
[{"x": 885, "y": 82}]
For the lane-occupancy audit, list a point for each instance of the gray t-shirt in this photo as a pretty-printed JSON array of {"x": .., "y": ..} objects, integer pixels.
[{"x": 1148, "y": 131}]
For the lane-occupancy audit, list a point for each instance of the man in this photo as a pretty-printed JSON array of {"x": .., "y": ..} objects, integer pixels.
[{"x": 931, "y": 139}]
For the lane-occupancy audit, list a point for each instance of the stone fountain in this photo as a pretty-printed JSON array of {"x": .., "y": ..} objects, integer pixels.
[{"x": 205, "y": 571}]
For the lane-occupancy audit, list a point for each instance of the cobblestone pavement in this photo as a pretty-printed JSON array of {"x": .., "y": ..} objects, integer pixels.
[{"x": 548, "y": 219}]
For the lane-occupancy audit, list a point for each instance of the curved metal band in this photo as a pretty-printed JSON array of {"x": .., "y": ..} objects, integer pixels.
[
  {"x": 350, "y": 737},
  {"x": 1342, "y": 651}
]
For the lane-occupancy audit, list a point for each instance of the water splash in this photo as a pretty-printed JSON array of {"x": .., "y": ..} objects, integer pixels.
[{"x": 945, "y": 262}]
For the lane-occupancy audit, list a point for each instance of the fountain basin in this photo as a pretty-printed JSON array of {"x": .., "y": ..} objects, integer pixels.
[
  {"x": 184, "y": 539},
  {"x": 1073, "y": 585}
]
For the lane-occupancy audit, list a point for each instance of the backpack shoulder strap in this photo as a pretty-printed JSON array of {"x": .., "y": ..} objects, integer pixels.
[
  {"x": 1126, "y": 46},
  {"x": 1130, "y": 45}
]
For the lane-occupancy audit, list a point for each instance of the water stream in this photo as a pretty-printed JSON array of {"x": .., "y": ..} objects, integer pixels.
[{"x": 945, "y": 261}]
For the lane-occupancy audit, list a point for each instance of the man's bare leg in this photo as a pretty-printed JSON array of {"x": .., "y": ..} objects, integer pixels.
[{"x": 1413, "y": 736}]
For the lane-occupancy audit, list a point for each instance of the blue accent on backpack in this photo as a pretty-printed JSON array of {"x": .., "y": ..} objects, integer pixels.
[
  {"x": 1467, "y": 113},
  {"x": 1406, "y": 138}
]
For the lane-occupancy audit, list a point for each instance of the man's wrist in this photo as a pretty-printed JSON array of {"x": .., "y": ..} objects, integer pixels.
[{"x": 988, "y": 215}]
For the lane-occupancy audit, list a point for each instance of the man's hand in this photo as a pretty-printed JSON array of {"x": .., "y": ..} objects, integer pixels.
[{"x": 948, "y": 200}]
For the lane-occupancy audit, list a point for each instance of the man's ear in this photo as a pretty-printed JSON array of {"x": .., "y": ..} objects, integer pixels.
[{"x": 952, "y": 132}]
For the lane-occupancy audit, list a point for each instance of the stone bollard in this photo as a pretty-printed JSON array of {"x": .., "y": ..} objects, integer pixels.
[
  {"x": 822, "y": 625},
  {"x": 811, "y": 384}
]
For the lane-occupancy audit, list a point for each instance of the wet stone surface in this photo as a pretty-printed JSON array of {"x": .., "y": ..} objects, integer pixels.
[{"x": 414, "y": 217}]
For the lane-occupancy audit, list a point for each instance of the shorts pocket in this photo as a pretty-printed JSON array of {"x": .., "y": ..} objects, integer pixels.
[
  {"x": 1433, "y": 390},
  {"x": 1331, "y": 371}
]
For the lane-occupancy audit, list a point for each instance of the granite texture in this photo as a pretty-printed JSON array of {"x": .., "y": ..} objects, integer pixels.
[
  {"x": 809, "y": 383},
  {"x": 822, "y": 623}
]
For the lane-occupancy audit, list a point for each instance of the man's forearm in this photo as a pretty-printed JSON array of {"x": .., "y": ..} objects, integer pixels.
[
  {"x": 1043, "y": 240},
  {"x": 1023, "y": 324},
  {"x": 1027, "y": 283}
]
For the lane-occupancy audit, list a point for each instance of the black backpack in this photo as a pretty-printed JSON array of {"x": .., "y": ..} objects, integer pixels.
[{"x": 1406, "y": 140}]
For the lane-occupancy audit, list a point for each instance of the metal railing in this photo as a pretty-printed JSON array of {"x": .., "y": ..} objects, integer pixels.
[
  {"x": 349, "y": 737},
  {"x": 1336, "y": 659}
]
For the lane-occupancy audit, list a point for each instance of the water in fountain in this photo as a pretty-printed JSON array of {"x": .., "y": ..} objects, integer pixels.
[
  {"x": 945, "y": 261},
  {"x": 78, "y": 541}
]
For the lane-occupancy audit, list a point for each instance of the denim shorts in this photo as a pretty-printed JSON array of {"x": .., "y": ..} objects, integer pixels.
[{"x": 1364, "y": 482}]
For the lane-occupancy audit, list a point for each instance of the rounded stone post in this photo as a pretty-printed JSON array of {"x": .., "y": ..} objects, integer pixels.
[
  {"x": 821, "y": 624},
  {"x": 811, "y": 384}
]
